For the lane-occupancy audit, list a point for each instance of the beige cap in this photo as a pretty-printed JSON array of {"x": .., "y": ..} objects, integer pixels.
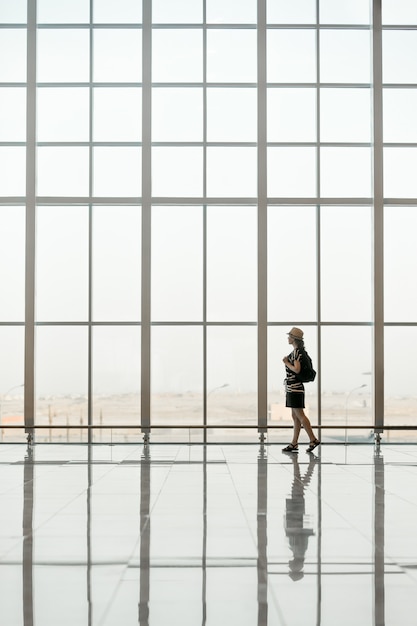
[{"x": 297, "y": 333}]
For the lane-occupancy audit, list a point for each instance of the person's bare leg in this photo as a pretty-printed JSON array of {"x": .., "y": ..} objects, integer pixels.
[
  {"x": 297, "y": 427},
  {"x": 305, "y": 422}
]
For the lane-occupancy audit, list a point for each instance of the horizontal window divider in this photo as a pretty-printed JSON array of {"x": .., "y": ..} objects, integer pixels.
[
  {"x": 158, "y": 85},
  {"x": 321, "y": 324},
  {"x": 204, "y": 323},
  {"x": 101, "y": 323},
  {"x": 18, "y": 26},
  {"x": 12, "y": 144},
  {"x": 14, "y": 200},
  {"x": 399, "y": 86},
  {"x": 208, "y": 144},
  {"x": 318, "y": 26},
  {"x": 410, "y": 324},
  {"x": 86, "y": 85},
  {"x": 154, "y": 427},
  {"x": 322, "y": 201},
  {"x": 179, "y": 201},
  {"x": 320, "y": 144},
  {"x": 319, "y": 85},
  {"x": 12, "y": 323},
  {"x": 201, "y": 200},
  {"x": 66, "y": 200},
  {"x": 87, "y": 144},
  {"x": 399, "y": 27},
  {"x": 88, "y": 25},
  {"x": 400, "y": 201},
  {"x": 400, "y": 145},
  {"x": 200, "y": 25},
  {"x": 3, "y": 85}
]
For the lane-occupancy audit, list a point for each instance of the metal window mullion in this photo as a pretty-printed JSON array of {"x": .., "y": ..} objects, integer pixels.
[
  {"x": 205, "y": 355},
  {"x": 90, "y": 236},
  {"x": 146, "y": 217},
  {"x": 29, "y": 367},
  {"x": 378, "y": 220},
  {"x": 262, "y": 224},
  {"x": 318, "y": 217}
]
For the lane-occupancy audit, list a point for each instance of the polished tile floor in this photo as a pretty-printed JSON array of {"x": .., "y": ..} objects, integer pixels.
[{"x": 217, "y": 535}]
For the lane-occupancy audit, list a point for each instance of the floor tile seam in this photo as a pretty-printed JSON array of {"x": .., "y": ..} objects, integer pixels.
[
  {"x": 143, "y": 528},
  {"x": 351, "y": 526},
  {"x": 249, "y": 526}
]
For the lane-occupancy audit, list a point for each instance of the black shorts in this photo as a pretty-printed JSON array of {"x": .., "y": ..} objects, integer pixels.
[{"x": 295, "y": 400}]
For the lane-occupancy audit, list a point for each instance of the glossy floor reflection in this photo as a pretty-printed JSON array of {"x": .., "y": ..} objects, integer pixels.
[{"x": 213, "y": 535}]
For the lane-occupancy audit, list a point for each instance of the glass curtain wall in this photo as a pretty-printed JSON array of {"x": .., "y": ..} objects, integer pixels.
[{"x": 188, "y": 183}]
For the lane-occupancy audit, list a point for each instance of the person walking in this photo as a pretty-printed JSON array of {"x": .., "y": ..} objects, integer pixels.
[{"x": 295, "y": 397}]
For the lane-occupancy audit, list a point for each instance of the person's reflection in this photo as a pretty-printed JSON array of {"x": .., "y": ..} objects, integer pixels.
[{"x": 296, "y": 523}]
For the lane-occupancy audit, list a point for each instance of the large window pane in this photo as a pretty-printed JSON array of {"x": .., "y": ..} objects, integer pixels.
[
  {"x": 117, "y": 114},
  {"x": 291, "y": 56},
  {"x": 346, "y": 260},
  {"x": 12, "y": 263},
  {"x": 12, "y": 376},
  {"x": 345, "y": 56},
  {"x": 12, "y": 114},
  {"x": 171, "y": 58},
  {"x": 231, "y": 56},
  {"x": 399, "y": 49},
  {"x": 63, "y": 114},
  {"x": 61, "y": 375},
  {"x": 63, "y": 55},
  {"x": 231, "y": 264},
  {"x": 62, "y": 264},
  {"x": 285, "y": 223},
  {"x": 400, "y": 344},
  {"x": 116, "y": 263},
  {"x": 117, "y": 55},
  {"x": 400, "y": 254},
  {"x": 345, "y": 115},
  {"x": 400, "y": 121},
  {"x": 347, "y": 12},
  {"x": 284, "y": 12},
  {"x": 292, "y": 114},
  {"x": 13, "y": 171},
  {"x": 117, "y": 172},
  {"x": 400, "y": 166},
  {"x": 291, "y": 172},
  {"x": 231, "y": 114},
  {"x": 345, "y": 172},
  {"x": 120, "y": 12},
  {"x": 231, "y": 12},
  {"x": 231, "y": 172},
  {"x": 13, "y": 12},
  {"x": 63, "y": 171},
  {"x": 231, "y": 375},
  {"x": 63, "y": 12},
  {"x": 12, "y": 55},
  {"x": 177, "y": 375},
  {"x": 168, "y": 12},
  {"x": 177, "y": 114},
  {"x": 346, "y": 383},
  {"x": 116, "y": 376},
  {"x": 177, "y": 172},
  {"x": 177, "y": 263},
  {"x": 399, "y": 12}
]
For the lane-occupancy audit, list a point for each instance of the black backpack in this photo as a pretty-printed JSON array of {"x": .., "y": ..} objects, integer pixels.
[{"x": 307, "y": 373}]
